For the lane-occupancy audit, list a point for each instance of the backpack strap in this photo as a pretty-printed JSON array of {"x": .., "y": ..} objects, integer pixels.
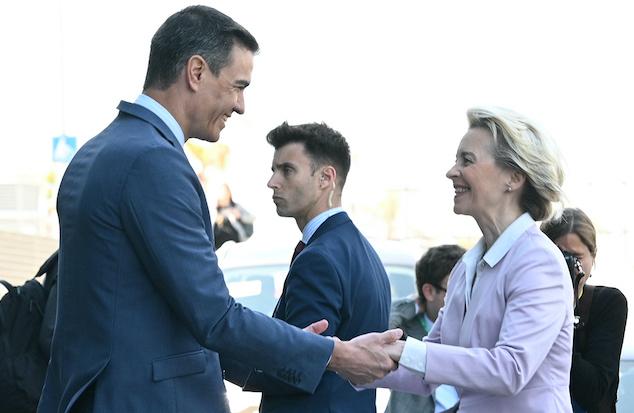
[
  {"x": 3, "y": 318},
  {"x": 8, "y": 286},
  {"x": 48, "y": 264},
  {"x": 584, "y": 314}
]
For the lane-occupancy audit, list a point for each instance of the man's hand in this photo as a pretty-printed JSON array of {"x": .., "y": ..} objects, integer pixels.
[
  {"x": 317, "y": 327},
  {"x": 365, "y": 358}
]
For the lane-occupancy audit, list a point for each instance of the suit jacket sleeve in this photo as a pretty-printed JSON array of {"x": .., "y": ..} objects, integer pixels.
[
  {"x": 534, "y": 315},
  {"x": 313, "y": 291},
  {"x": 162, "y": 210},
  {"x": 595, "y": 370}
]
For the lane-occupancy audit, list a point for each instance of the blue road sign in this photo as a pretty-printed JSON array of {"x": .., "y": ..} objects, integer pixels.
[{"x": 64, "y": 148}]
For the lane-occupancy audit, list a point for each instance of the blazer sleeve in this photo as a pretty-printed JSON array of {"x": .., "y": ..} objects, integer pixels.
[
  {"x": 313, "y": 291},
  {"x": 536, "y": 309},
  {"x": 162, "y": 209},
  {"x": 403, "y": 380},
  {"x": 596, "y": 369}
]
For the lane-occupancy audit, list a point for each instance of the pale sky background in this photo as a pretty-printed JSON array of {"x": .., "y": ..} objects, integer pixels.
[{"x": 395, "y": 77}]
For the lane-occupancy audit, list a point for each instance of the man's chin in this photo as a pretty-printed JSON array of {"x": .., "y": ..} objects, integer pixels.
[
  {"x": 207, "y": 137},
  {"x": 282, "y": 213}
]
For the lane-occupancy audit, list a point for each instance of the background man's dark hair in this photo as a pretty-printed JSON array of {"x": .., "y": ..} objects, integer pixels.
[
  {"x": 435, "y": 265},
  {"x": 323, "y": 145},
  {"x": 195, "y": 30}
]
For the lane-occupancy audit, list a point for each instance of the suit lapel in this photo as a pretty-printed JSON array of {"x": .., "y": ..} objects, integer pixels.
[
  {"x": 332, "y": 222},
  {"x": 140, "y": 112}
]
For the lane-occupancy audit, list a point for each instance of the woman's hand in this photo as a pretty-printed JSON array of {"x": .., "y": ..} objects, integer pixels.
[{"x": 395, "y": 349}]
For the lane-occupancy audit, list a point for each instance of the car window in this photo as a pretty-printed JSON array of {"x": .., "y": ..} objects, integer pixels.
[
  {"x": 402, "y": 281},
  {"x": 259, "y": 287}
]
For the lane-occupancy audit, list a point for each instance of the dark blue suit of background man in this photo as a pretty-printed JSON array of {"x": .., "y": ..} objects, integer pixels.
[
  {"x": 143, "y": 308},
  {"x": 337, "y": 275}
]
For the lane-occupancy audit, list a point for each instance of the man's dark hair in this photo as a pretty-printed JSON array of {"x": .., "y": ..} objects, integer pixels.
[
  {"x": 195, "y": 30},
  {"x": 435, "y": 265},
  {"x": 323, "y": 145}
]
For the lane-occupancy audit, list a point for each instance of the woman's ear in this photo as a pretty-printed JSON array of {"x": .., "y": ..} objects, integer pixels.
[{"x": 516, "y": 180}]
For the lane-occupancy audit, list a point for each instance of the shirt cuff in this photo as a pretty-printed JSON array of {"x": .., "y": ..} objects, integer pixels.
[{"x": 414, "y": 355}]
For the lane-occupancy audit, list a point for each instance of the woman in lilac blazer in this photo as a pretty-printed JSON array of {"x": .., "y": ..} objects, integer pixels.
[{"x": 504, "y": 337}]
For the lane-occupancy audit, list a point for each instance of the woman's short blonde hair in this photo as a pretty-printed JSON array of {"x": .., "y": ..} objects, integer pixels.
[{"x": 519, "y": 145}]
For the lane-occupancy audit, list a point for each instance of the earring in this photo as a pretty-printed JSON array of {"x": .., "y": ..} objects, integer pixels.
[{"x": 508, "y": 188}]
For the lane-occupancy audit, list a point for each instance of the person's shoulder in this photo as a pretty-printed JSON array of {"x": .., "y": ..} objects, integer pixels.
[
  {"x": 534, "y": 238},
  {"x": 534, "y": 244},
  {"x": 609, "y": 306},
  {"x": 610, "y": 295},
  {"x": 402, "y": 311},
  {"x": 404, "y": 305}
]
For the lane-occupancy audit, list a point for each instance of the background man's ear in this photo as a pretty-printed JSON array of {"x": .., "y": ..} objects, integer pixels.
[
  {"x": 428, "y": 291},
  {"x": 329, "y": 176}
]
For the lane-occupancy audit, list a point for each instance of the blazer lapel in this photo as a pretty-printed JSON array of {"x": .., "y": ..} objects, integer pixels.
[
  {"x": 142, "y": 113},
  {"x": 332, "y": 222}
]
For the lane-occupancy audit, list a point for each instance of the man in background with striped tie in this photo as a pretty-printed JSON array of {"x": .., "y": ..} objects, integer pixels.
[{"x": 335, "y": 273}]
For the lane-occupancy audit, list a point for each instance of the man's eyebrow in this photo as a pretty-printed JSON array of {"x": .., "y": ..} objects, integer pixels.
[{"x": 282, "y": 165}]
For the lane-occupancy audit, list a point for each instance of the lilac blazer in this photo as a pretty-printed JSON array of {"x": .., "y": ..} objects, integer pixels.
[{"x": 511, "y": 350}]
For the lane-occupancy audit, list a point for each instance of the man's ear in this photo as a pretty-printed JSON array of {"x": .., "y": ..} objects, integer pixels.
[
  {"x": 328, "y": 177},
  {"x": 194, "y": 71},
  {"x": 428, "y": 292}
]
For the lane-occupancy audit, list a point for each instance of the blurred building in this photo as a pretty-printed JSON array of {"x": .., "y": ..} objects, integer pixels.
[
  {"x": 26, "y": 233},
  {"x": 22, "y": 255}
]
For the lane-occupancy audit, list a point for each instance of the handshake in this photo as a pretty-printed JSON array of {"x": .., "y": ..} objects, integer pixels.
[{"x": 364, "y": 358}]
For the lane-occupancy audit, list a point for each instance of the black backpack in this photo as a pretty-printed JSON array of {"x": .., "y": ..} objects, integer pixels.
[{"x": 25, "y": 341}]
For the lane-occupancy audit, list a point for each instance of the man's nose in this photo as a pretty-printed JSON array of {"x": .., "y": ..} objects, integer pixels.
[
  {"x": 239, "y": 105},
  {"x": 271, "y": 183}
]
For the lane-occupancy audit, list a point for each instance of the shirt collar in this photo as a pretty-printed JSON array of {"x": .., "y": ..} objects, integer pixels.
[
  {"x": 427, "y": 323},
  {"x": 163, "y": 114},
  {"x": 505, "y": 241},
  {"x": 315, "y": 223},
  {"x": 502, "y": 245},
  {"x": 498, "y": 250}
]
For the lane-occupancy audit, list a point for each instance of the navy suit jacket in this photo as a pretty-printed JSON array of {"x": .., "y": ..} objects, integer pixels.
[
  {"x": 338, "y": 276},
  {"x": 143, "y": 308}
]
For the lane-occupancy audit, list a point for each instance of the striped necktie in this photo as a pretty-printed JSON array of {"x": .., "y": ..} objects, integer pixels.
[{"x": 298, "y": 248}]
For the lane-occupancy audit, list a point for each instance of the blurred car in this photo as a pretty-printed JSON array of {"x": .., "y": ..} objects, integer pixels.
[{"x": 255, "y": 270}]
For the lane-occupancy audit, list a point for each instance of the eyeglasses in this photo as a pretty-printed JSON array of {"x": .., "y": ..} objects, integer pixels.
[{"x": 438, "y": 287}]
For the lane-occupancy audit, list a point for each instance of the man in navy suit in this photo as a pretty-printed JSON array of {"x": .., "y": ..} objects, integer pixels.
[
  {"x": 337, "y": 275},
  {"x": 143, "y": 309}
]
